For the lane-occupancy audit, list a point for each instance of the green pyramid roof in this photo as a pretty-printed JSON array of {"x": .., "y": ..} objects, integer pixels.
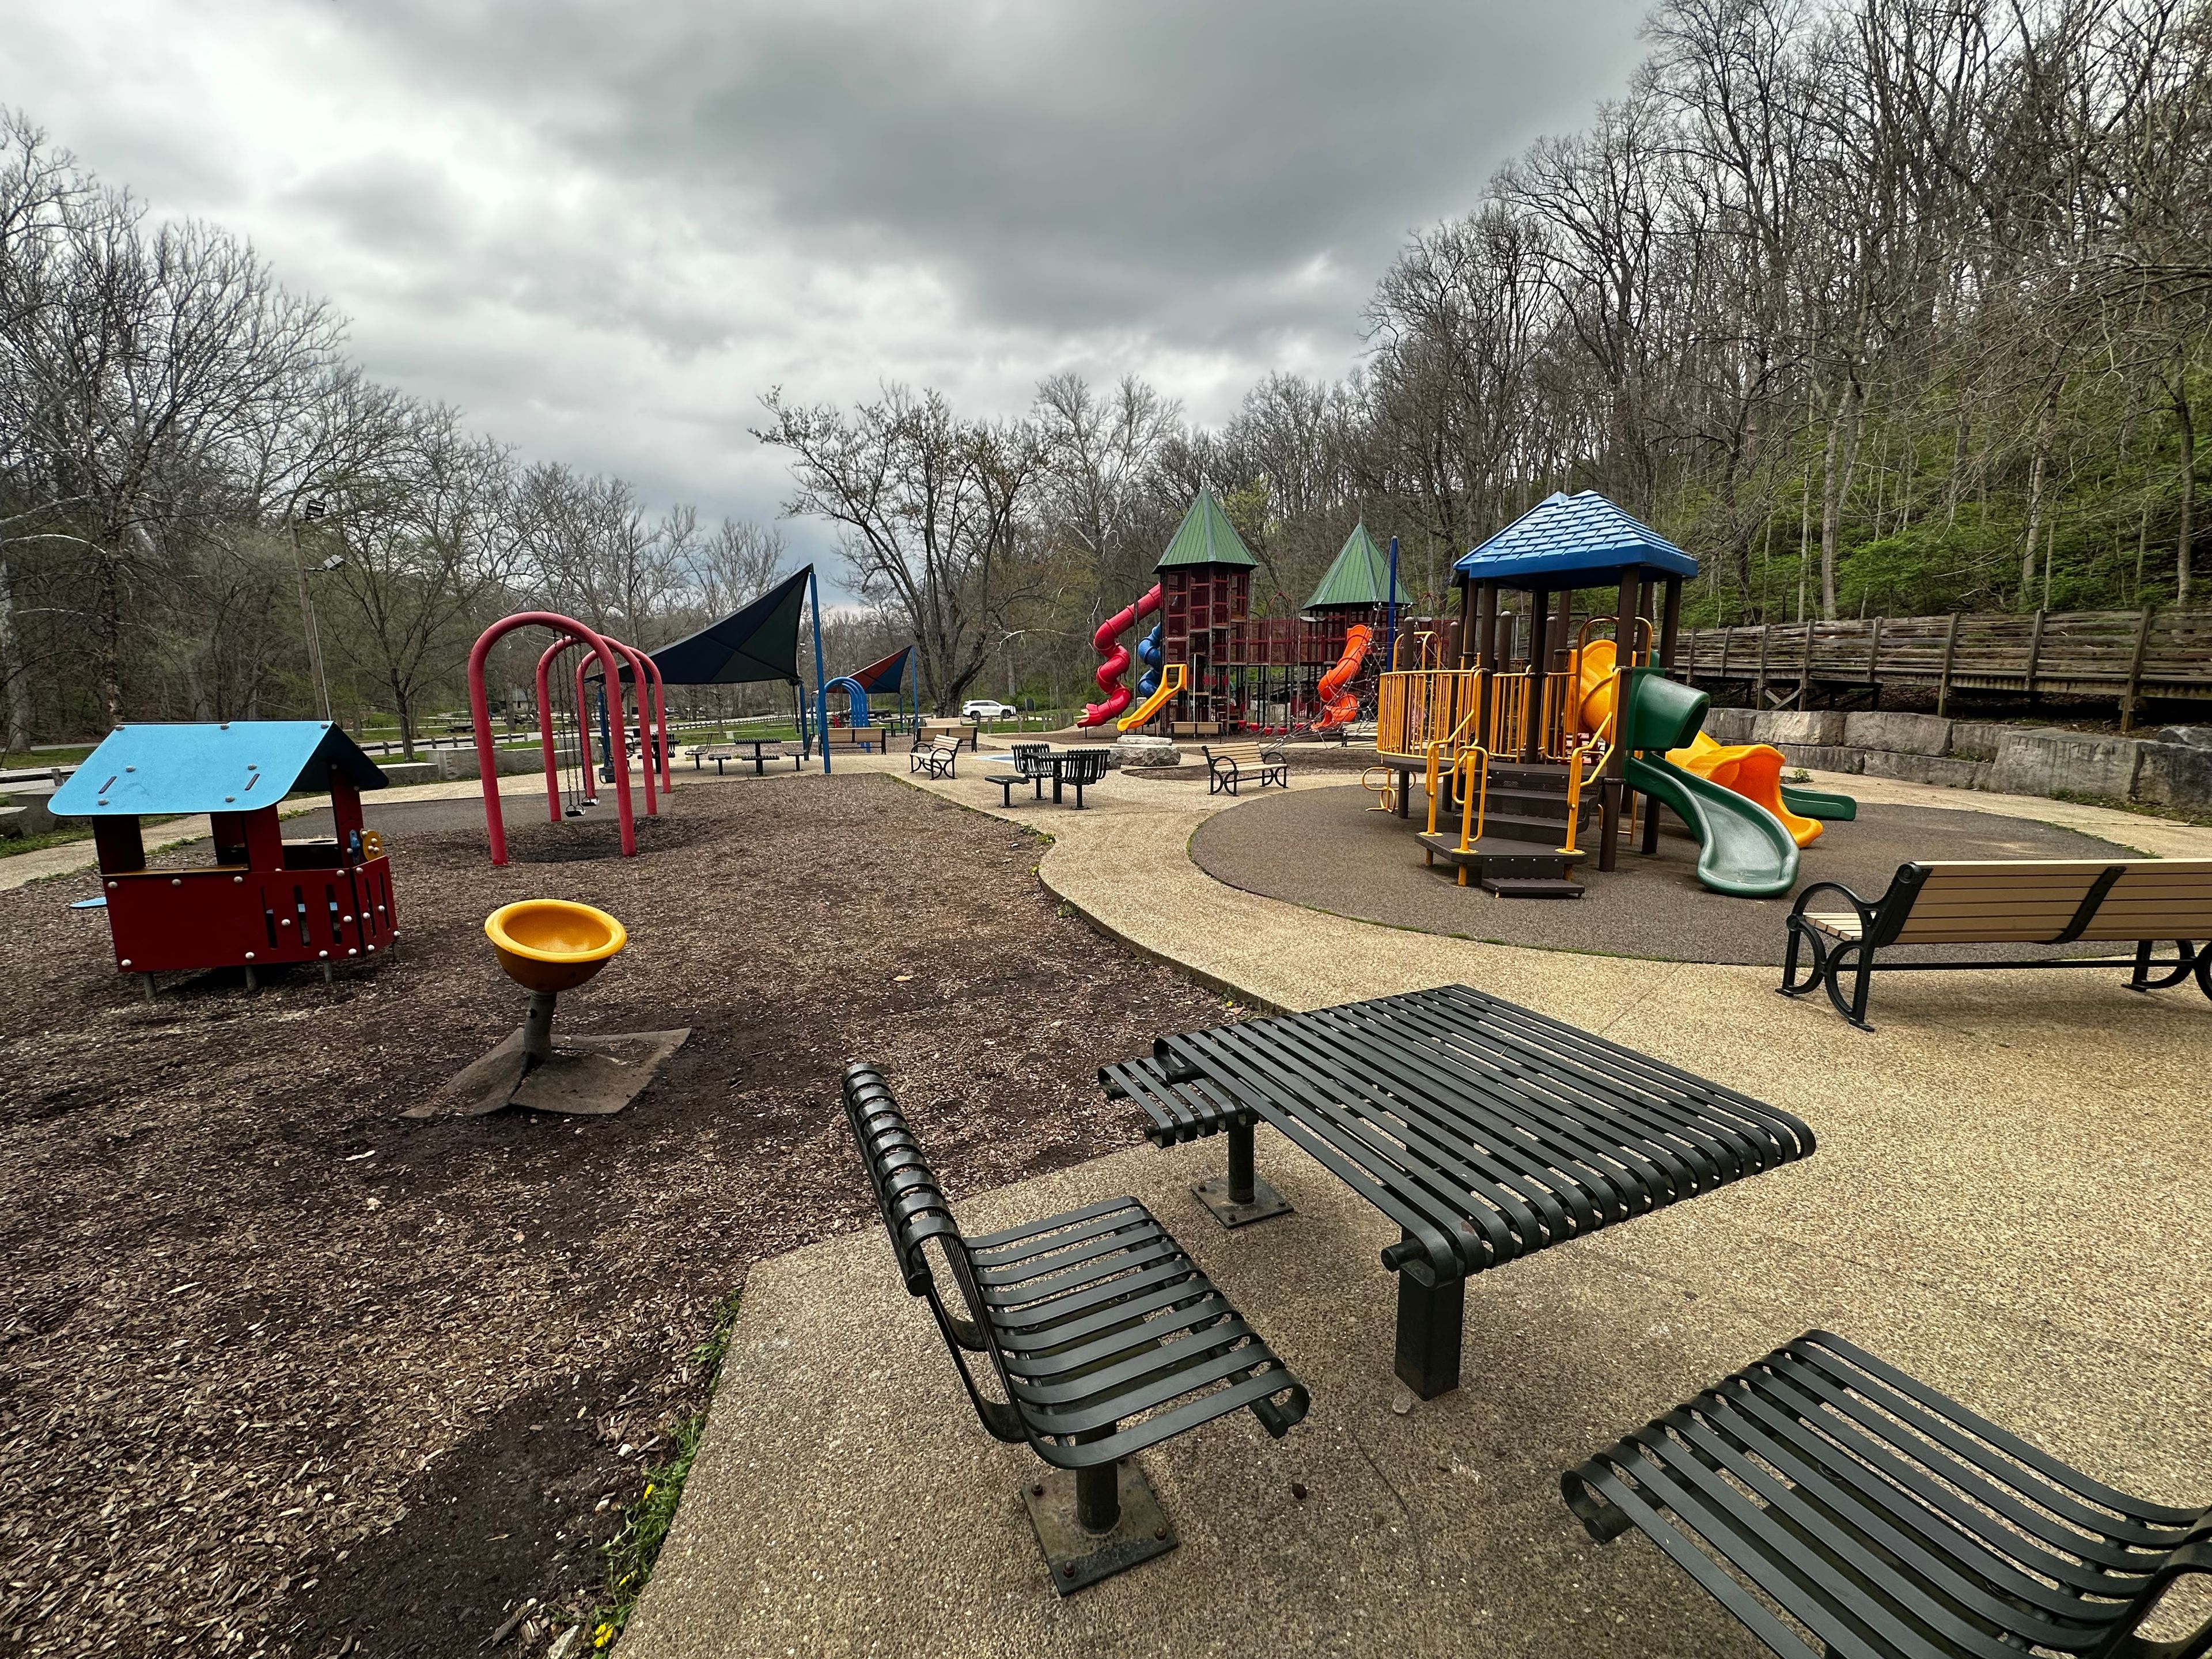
[
  {"x": 1360, "y": 576},
  {"x": 1206, "y": 537}
]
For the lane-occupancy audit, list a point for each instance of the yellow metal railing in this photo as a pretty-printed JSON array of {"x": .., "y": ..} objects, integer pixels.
[{"x": 1417, "y": 707}]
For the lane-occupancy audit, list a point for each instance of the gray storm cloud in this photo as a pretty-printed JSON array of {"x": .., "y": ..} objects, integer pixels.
[{"x": 604, "y": 230}]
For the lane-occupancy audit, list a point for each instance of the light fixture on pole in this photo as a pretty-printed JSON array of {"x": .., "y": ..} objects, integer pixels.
[{"x": 312, "y": 511}]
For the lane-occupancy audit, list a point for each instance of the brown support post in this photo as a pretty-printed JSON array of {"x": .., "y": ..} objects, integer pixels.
[
  {"x": 1950, "y": 650},
  {"x": 2034, "y": 653},
  {"x": 1874, "y": 659},
  {"x": 1670, "y": 623},
  {"x": 1539, "y": 660},
  {"x": 1758, "y": 679},
  {"x": 1805, "y": 670},
  {"x": 1460, "y": 631},
  {"x": 2135, "y": 673}
]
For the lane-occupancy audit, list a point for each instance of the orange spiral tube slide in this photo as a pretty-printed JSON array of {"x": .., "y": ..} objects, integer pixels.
[{"x": 1339, "y": 706}]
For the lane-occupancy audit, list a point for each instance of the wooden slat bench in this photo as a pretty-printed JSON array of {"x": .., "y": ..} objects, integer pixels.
[
  {"x": 2007, "y": 902},
  {"x": 1228, "y": 765},
  {"x": 1104, "y": 1336},
  {"x": 939, "y": 760}
]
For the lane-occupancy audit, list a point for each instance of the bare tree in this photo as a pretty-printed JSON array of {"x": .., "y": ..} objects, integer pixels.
[{"x": 931, "y": 507}]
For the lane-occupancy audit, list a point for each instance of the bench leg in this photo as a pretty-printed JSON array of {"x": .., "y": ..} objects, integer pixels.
[
  {"x": 1429, "y": 1320},
  {"x": 1096, "y": 1523},
  {"x": 1098, "y": 1498},
  {"x": 1240, "y": 1198}
]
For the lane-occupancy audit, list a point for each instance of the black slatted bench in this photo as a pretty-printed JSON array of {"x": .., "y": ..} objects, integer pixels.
[
  {"x": 1485, "y": 1131},
  {"x": 1885, "y": 1519},
  {"x": 1230, "y": 764},
  {"x": 2040, "y": 901},
  {"x": 1077, "y": 768},
  {"x": 1104, "y": 1336},
  {"x": 1032, "y": 766}
]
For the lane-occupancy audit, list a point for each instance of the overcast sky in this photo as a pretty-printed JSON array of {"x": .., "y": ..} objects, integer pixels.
[{"x": 604, "y": 230}]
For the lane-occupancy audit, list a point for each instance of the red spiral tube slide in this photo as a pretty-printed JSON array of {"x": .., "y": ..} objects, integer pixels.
[{"x": 1107, "y": 642}]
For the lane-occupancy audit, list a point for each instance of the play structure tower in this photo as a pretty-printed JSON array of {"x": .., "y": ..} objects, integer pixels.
[
  {"x": 1541, "y": 713},
  {"x": 1206, "y": 582},
  {"x": 1496, "y": 734},
  {"x": 1349, "y": 611}
]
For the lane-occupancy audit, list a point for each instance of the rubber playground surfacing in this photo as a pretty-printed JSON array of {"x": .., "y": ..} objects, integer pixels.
[{"x": 1322, "y": 849}]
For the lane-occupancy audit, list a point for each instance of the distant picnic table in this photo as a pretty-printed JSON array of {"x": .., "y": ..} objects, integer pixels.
[{"x": 720, "y": 752}]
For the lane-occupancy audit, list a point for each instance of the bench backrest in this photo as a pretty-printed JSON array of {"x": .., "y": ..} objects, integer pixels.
[
  {"x": 1242, "y": 753},
  {"x": 1084, "y": 765},
  {"x": 1026, "y": 758},
  {"x": 915, "y": 1212},
  {"x": 2048, "y": 901}
]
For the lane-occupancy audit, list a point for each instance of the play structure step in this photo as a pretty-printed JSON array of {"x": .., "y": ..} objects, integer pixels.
[
  {"x": 1524, "y": 887},
  {"x": 1491, "y": 855}
]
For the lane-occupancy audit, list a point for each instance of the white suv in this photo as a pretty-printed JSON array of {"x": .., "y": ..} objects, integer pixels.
[{"x": 982, "y": 708}]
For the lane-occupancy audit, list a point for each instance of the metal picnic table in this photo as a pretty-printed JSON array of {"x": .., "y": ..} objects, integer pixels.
[
  {"x": 1080, "y": 766},
  {"x": 1485, "y": 1131},
  {"x": 727, "y": 749}
]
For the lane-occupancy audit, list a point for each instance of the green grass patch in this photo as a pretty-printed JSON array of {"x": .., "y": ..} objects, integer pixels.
[
  {"x": 631, "y": 1552},
  {"x": 2173, "y": 814}
]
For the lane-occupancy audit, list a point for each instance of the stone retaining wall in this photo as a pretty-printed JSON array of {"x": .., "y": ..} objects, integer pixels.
[{"x": 2173, "y": 769}]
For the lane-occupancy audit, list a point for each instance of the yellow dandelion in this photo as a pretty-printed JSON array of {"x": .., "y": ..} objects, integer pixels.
[
  {"x": 603, "y": 1635},
  {"x": 648, "y": 1490}
]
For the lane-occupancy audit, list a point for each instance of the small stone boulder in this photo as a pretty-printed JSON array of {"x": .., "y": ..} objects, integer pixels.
[{"x": 1133, "y": 753}]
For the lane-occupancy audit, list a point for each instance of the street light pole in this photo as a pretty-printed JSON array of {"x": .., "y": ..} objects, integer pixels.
[{"x": 312, "y": 512}]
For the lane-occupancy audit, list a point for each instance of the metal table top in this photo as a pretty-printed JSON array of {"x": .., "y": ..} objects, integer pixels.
[{"x": 1484, "y": 1130}]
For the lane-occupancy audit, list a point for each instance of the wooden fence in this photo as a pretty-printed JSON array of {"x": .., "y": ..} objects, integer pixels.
[{"x": 2125, "y": 655}]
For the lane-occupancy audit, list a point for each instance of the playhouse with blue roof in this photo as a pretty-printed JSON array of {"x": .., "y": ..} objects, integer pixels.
[{"x": 263, "y": 899}]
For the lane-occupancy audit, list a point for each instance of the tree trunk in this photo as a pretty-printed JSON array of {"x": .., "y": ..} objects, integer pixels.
[
  {"x": 404, "y": 705},
  {"x": 1841, "y": 457},
  {"x": 2185, "y": 535},
  {"x": 14, "y": 673},
  {"x": 108, "y": 638},
  {"x": 2034, "y": 524}
]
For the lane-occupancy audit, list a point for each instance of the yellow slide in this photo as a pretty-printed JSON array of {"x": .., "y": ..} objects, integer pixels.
[
  {"x": 1172, "y": 681},
  {"x": 1753, "y": 770}
]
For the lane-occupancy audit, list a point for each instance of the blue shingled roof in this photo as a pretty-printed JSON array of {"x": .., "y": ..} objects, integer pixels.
[
  {"x": 1564, "y": 533},
  {"x": 236, "y": 767}
]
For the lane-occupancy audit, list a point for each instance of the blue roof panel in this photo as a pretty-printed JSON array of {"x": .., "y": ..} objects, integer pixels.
[
  {"x": 235, "y": 767},
  {"x": 1565, "y": 534}
]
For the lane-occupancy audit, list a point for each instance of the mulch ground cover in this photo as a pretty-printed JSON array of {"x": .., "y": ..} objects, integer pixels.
[{"x": 285, "y": 1372}]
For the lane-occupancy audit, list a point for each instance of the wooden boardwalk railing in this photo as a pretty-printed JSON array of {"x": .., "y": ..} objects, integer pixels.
[{"x": 2125, "y": 655}]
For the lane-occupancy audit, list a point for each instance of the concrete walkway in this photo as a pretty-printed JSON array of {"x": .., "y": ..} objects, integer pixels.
[{"x": 2010, "y": 1198}]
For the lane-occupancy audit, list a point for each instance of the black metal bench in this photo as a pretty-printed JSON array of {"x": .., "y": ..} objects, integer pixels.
[
  {"x": 1032, "y": 766},
  {"x": 1886, "y": 1519},
  {"x": 1078, "y": 767},
  {"x": 1485, "y": 1131},
  {"x": 1105, "y": 1337},
  {"x": 1228, "y": 765},
  {"x": 2046, "y": 901}
]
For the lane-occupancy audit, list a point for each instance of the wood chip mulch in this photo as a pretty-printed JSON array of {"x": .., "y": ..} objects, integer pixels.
[{"x": 284, "y": 1373}]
